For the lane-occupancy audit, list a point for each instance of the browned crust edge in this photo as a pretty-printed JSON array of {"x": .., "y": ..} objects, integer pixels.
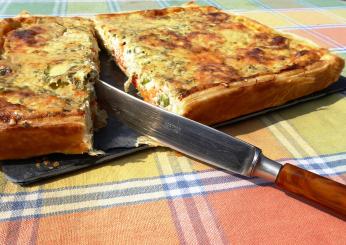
[
  {"x": 44, "y": 137},
  {"x": 157, "y": 12},
  {"x": 261, "y": 92}
]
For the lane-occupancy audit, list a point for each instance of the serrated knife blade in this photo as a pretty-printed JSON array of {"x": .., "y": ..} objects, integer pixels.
[{"x": 217, "y": 148}]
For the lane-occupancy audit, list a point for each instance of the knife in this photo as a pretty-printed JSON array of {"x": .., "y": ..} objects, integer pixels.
[{"x": 218, "y": 149}]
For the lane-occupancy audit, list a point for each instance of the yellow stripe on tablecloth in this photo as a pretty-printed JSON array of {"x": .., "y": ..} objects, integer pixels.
[
  {"x": 268, "y": 18},
  {"x": 312, "y": 17},
  {"x": 256, "y": 132},
  {"x": 138, "y": 165},
  {"x": 321, "y": 123},
  {"x": 340, "y": 12}
]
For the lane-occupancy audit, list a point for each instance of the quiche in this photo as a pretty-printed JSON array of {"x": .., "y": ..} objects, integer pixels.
[
  {"x": 47, "y": 69},
  {"x": 211, "y": 66}
]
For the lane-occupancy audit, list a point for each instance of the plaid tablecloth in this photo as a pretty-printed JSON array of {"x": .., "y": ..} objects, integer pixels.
[{"x": 161, "y": 197}]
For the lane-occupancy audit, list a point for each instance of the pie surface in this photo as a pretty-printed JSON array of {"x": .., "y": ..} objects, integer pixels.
[{"x": 183, "y": 58}]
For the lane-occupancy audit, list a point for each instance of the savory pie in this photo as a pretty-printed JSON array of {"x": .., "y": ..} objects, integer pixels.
[
  {"x": 199, "y": 62},
  {"x": 47, "y": 69},
  {"x": 211, "y": 66}
]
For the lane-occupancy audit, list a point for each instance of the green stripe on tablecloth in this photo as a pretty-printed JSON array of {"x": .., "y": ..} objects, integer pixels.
[
  {"x": 326, "y": 3},
  {"x": 138, "y": 5},
  {"x": 237, "y": 4},
  {"x": 199, "y": 2},
  {"x": 87, "y": 7},
  {"x": 34, "y": 7},
  {"x": 283, "y": 4}
]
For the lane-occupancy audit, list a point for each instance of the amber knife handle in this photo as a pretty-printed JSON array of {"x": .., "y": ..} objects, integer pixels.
[{"x": 304, "y": 183}]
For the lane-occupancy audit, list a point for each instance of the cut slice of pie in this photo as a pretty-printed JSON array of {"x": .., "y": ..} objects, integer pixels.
[
  {"x": 212, "y": 66},
  {"x": 47, "y": 69}
]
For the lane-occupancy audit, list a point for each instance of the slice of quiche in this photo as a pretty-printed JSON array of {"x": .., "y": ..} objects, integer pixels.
[
  {"x": 212, "y": 66},
  {"x": 47, "y": 69}
]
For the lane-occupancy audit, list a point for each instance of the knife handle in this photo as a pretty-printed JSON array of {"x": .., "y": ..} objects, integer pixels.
[{"x": 314, "y": 187}]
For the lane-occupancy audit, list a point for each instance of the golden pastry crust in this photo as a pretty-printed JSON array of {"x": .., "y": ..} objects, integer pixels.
[
  {"x": 212, "y": 66},
  {"x": 47, "y": 69},
  {"x": 43, "y": 137},
  {"x": 261, "y": 92}
]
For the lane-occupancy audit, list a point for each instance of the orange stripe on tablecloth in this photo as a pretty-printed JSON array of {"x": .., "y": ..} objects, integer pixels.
[
  {"x": 311, "y": 17},
  {"x": 214, "y": 233},
  {"x": 308, "y": 35},
  {"x": 133, "y": 224},
  {"x": 338, "y": 34},
  {"x": 305, "y": 18},
  {"x": 27, "y": 233},
  {"x": 265, "y": 215},
  {"x": 192, "y": 217},
  {"x": 199, "y": 212},
  {"x": 182, "y": 220},
  {"x": 18, "y": 232},
  {"x": 3, "y": 231}
]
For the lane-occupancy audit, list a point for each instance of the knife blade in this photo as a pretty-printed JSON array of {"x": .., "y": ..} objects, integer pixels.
[{"x": 217, "y": 148}]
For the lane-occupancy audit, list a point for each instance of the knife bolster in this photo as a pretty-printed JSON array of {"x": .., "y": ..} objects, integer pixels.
[{"x": 266, "y": 168}]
